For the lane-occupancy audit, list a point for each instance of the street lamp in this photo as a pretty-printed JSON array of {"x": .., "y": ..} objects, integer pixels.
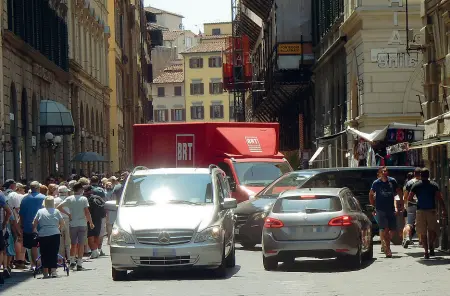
[{"x": 52, "y": 141}]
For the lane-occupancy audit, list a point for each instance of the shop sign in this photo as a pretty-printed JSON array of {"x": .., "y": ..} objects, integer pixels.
[
  {"x": 290, "y": 49},
  {"x": 399, "y": 135}
]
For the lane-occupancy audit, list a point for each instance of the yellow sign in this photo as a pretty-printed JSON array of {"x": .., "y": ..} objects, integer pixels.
[{"x": 290, "y": 49}]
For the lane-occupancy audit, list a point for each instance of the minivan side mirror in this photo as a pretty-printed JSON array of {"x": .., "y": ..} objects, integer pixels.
[
  {"x": 370, "y": 208},
  {"x": 232, "y": 183},
  {"x": 111, "y": 205},
  {"x": 229, "y": 203}
]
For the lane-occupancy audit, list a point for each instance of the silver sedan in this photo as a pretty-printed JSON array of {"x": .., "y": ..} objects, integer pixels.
[{"x": 319, "y": 223}]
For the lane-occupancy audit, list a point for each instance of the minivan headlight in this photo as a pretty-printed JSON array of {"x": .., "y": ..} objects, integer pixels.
[
  {"x": 121, "y": 237},
  {"x": 211, "y": 234}
]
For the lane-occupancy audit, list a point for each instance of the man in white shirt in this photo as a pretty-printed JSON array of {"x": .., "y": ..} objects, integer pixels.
[{"x": 64, "y": 246}]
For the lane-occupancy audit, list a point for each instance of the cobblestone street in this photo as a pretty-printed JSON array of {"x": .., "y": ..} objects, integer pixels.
[{"x": 405, "y": 274}]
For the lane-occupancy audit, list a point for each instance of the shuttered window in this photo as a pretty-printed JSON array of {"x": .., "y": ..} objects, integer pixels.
[
  {"x": 216, "y": 112},
  {"x": 216, "y": 88},
  {"x": 197, "y": 89},
  {"x": 177, "y": 91},
  {"x": 161, "y": 115},
  {"x": 178, "y": 114},
  {"x": 161, "y": 92},
  {"x": 215, "y": 62},
  {"x": 195, "y": 63},
  {"x": 39, "y": 26},
  {"x": 197, "y": 112}
]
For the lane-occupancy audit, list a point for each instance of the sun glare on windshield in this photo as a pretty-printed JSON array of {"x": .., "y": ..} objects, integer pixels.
[{"x": 162, "y": 195}]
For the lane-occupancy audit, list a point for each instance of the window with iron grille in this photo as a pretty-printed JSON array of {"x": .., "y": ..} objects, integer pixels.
[{"x": 197, "y": 112}]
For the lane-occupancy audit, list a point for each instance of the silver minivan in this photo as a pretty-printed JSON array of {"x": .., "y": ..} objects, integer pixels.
[{"x": 173, "y": 218}]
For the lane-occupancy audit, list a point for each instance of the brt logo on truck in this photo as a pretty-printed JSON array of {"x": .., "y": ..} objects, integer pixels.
[
  {"x": 185, "y": 150},
  {"x": 253, "y": 144}
]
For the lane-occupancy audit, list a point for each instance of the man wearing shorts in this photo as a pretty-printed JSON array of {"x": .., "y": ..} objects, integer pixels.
[
  {"x": 382, "y": 195},
  {"x": 411, "y": 209},
  {"x": 96, "y": 197},
  {"x": 28, "y": 209},
  {"x": 79, "y": 216},
  {"x": 428, "y": 195},
  {"x": 4, "y": 218}
]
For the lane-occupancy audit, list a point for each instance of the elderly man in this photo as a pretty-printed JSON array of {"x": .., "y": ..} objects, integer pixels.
[{"x": 29, "y": 206}]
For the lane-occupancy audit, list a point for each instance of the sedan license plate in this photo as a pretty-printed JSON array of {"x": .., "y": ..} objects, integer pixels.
[
  {"x": 236, "y": 231},
  {"x": 164, "y": 252},
  {"x": 311, "y": 229},
  {"x": 318, "y": 229}
]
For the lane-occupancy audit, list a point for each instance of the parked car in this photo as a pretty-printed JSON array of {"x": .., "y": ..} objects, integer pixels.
[
  {"x": 320, "y": 223},
  {"x": 173, "y": 218},
  {"x": 250, "y": 214}
]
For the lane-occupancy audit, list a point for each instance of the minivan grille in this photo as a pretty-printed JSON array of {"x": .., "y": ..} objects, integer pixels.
[
  {"x": 164, "y": 237},
  {"x": 241, "y": 219},
  {"x": 164, "y": 261}
]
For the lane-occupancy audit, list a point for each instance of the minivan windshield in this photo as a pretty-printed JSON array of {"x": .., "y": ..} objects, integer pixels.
[
  {"x": 289, "y": 181},
  {"x": 169, "y": 188},
  {"x": 307, "y": 204},
  {"x": 260, "y": 174}
]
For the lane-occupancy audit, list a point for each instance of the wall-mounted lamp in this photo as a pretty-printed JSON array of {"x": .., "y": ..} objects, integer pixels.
[{"x": 51, "y": 141}]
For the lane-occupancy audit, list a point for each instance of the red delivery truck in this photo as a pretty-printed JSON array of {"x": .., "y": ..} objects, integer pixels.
[{"x": 247, "y": 152}]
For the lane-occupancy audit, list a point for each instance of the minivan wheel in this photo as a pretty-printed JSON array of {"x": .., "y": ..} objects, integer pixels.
[
  {"x": 221, "y": 271},
  {"x": 231, "y": 259},
  {"x": 270, "y": 263},
  {"x": 118, "y": 275}
]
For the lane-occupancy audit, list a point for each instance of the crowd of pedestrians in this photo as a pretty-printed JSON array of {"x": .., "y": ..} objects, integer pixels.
[{"x": 43, "y": 225}]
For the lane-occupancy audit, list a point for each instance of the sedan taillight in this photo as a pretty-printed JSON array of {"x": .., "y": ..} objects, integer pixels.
[
  {"x": 273, "y": 223},
  {"x": 341, "y": 221}
]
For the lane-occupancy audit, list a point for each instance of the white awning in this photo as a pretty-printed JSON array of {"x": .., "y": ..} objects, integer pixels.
[
  {"x": 380, "y": 135},
  {"x": 428, "y": 145},
  {"x": 315, "y": 155}
]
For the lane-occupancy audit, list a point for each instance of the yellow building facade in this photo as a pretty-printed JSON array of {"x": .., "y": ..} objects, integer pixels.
[{"x": 206, "y": 100}]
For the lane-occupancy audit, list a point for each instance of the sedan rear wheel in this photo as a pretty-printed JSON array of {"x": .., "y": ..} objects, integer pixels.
[
  {"x": 270, "y": 263},
  {"x": 368, "y": 255},
  {"x": 355, "y": 261}
]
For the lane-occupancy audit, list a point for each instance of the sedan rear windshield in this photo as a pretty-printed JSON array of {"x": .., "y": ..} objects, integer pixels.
[
  {"x": 307, "y": 204},
  {"x": 162, "y": 188}
]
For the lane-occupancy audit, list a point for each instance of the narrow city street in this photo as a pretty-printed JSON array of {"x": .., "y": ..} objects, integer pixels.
[{"x": 405, "y": 274}]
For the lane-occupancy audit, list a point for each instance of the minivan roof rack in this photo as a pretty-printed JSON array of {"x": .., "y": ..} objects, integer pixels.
[
  {"x": 211, "y": 167},
  {"x": 139, "y": 168}
]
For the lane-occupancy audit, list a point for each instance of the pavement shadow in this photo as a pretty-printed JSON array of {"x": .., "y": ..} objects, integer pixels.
[
  {"x": 439, "y": 259},
  {"x": 17, "y": 277},
  {"x": 320, "y": 266},
  {"x": 180, "y": 275}
]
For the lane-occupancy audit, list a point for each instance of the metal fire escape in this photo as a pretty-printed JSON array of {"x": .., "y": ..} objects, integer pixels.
[{"x": 238, "y": 72}]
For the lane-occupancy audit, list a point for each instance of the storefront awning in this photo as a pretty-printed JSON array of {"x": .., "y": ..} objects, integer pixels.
[
  {"x": 318, "y": 151},
  {"x": 427, "y": 144},
  {"x": 380, "y": 135},
  {"x": 55, "y": 118}
]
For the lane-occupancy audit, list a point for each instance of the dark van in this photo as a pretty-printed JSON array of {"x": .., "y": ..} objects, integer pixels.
[{"x": 250, "y": 214}]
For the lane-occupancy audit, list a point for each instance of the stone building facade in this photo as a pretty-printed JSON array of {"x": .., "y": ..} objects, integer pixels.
[
  {"x": 35, "y": 71},
  {"x": 88, "y": 44}
]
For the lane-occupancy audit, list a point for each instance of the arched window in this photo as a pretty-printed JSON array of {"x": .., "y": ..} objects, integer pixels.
[
  {"x": 88, "y": 127},
  {"x": 102, "y": 125},
  {"x": 97, "y": 123},
  {"x": 92, "y": 121}
]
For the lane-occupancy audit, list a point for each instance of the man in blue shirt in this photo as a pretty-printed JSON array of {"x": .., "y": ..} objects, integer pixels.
[
  {"x": 28, "y": 209},
  {"x": 382, "y": 195},
  {"x": 6, "y": 215},
  {"x": 428, "y": 195}
]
